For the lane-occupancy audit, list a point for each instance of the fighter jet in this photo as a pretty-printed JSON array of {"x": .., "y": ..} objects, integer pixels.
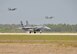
[
  {"x": 46, "y": 17},
  {"x": 31, "y": 28},
  {"x": 12, "y": 9}
]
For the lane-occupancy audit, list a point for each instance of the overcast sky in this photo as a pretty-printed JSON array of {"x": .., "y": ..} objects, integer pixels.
[{"x": 63, "y": 11}]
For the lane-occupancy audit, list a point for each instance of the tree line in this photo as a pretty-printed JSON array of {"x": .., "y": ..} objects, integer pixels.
[
  {"x": 54, "y": 28},
  {"x": 62, "y": 27}
]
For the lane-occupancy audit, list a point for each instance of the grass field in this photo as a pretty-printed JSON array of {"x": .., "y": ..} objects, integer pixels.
[
  {"x": 38, "y": 44},
  {"x": 38, "y": 37},
  {"x": 61, "y": 39},
  {"x": 15, "y": 38}
]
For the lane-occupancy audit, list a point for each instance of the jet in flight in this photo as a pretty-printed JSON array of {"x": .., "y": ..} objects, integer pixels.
[
  {"x": 12, "y": 9},
  {"x": 46, "y": 17},
  {"x": 34, "y": 29}
]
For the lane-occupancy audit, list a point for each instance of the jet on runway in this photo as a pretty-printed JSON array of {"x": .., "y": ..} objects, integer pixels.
[{"x": 34, "y": 29}]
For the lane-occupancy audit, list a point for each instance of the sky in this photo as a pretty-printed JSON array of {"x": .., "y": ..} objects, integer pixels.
[{"x": 62, "y": 11}]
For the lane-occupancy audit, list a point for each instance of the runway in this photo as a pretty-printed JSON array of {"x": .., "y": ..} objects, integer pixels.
[{"x": 38, "y": 34}]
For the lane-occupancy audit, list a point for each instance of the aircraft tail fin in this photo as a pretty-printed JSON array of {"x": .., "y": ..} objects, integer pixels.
[
  {"x": 21, "y": 23},
  {"x": 27, "y": 23}
]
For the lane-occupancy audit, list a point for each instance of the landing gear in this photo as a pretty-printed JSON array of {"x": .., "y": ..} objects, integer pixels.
[
  {"x": 40, "y": 31},
  {"x": 29, "y": 31},
  {"x": 34, "y": 31}
]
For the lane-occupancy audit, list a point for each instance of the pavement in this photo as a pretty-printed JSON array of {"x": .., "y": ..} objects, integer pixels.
[{"x": 38, "y": 34}]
